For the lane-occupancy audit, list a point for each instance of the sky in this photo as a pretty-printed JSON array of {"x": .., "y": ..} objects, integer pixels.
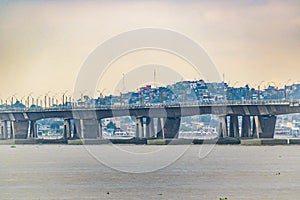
[{"x": 44, "y": 44}]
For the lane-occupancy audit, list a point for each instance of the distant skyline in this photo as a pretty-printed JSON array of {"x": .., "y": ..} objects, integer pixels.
[{"x": 44, "y": 43}]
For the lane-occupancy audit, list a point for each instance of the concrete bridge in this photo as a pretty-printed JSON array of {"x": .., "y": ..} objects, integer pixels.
[{"x": 258, "y": 119}]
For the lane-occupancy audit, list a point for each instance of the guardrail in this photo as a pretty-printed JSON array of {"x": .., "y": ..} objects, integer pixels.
[{"x": 141, "y": 106}]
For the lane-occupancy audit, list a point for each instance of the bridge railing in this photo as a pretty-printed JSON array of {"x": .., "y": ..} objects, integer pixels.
[{"x": 74, "y": 106}]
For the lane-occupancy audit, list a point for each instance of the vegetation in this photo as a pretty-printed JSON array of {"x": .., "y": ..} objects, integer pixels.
[{"x": 111, "y": 125}]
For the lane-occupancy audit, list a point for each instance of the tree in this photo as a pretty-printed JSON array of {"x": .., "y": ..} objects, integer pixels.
[{"x": 111, "y": 125}]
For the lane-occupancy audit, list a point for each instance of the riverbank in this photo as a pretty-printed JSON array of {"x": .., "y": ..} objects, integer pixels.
[{"x": 144, "y": 141}]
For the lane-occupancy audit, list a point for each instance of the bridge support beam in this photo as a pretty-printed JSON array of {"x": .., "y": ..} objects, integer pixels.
[
  {"x": 20, "y": 129},
  {"x": 170, "y": 127},
  {"x": 10, "y": 132},
  {"x": 234, "y": 126},
  {"x": 4, "y": 130},
  {"x": 76, "y": 125},
  {"x": 254, "y": 127},
  {"x": 33, "y": 129},
  {"x": 88, "y": 128},
  {"x": 149, "y": 127},
  {"x": 5, "y": 134},
  {"x": 160, "y": 130},
  {"x": 222, "y": 127},
  {"x": 67, "y": 128},
  {"x": 246, "y": 127},
  {"x": 139, "y": 129},
  {"x": 100, "y": 133},
  {"x": 264, "y": 126},
  {"x": 1, "y": 130}
]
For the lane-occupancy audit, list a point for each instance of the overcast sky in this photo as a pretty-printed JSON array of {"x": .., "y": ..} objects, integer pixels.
[{"x": 43, "y": 44}]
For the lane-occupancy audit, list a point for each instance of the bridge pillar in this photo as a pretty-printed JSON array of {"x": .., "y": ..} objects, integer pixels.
[
  {"x": 222, "y": 127},
  {"x": 67, "y": 128},
  {"x": 100, "y": 133},
  {"x": 33, "y": 129},
  {"x": 170, "y": 127},
  {"x": 5, "y": 134},
  {"x": 152, "y": 129},
  {"x": 20, "y": 129},
  {"x": 76, "y": 125},
  {"x": 1, "y": 130},
  {"x": 10, "y": 132},
  {"x": 234, "y": 126},
  {"x": 255, "y": 127},
  {"x": 139, "y": 129},
  {"x": 149, "y": 127},
  {"x": 264, "y": 126},
  {"x": 4, "y": 130},
  {"x": 160, "y": 130},
  {"x": 246, "y": 126},
  {"x": 89, "y": 128}
]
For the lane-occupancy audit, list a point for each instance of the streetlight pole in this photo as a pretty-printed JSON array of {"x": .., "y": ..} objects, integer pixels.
[
  {"x": 12, "y": 98},
  {"x": 251, "y": 90},
  {"x": 123, "y": 90},
  {"x": 82, "y": 95},
  {"x": 47, "y": 95},
  {"x": 294, "y": 87},
  {"x": 6, "y": 101},
  {"x": 32, "y": 100},
  {"x": 37, "y": 101},
  {"x": 232, "y": 91},
  {"x": 101, "y": 92},
  {"x": 54, "y": 97},
  {"x": 258, "y": 89},
  {"x": 101, "y": 95},
  {"x": 22, "y": 101},
  {"x": 276, "y": 88},
  {"x": 63, "y": 98},
  {"x": 285, "y": 92}
]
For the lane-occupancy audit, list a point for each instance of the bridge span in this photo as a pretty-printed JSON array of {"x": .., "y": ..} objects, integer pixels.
[{"x": 258, "y": 119}]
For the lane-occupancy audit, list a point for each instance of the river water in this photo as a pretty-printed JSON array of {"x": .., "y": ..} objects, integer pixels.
[{"x": 219, "y": 171}]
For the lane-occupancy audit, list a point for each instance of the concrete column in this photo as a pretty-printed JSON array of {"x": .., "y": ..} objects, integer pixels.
[
  {"x": 234, "y": 126},
  {"x": 20, "y": 129},
  {"x": 89, "y": 128},
  {"x": 160, "y": 129},
  {"x": 171, "y": 127},
  {"x": 246, "y": 126},
  {"x": 149, "y": 127},
  {"x": 4, "y": 131},
  {"x": 75, "y": 128},
  {"x": 256, "y": 127},
  {"x": 139, "y": 130},
  {"x": 264, "y": 126},
  {"x": 67, "y": 129},
  {"x": 11, "y": 131},
  {"x": 33, "y": 129},
  {"x": 100, "y": 134},
  {"x": 1, "y": 130},
  {"x": 222, "y": 127}
]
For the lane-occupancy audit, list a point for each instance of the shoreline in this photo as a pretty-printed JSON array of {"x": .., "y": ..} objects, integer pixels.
[{"x": 144, "y": 141}]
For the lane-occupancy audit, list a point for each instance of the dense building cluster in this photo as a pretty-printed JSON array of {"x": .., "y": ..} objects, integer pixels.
[
  {"x": 199, "y": 91},
  {"x": 196, "y": 91}
]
